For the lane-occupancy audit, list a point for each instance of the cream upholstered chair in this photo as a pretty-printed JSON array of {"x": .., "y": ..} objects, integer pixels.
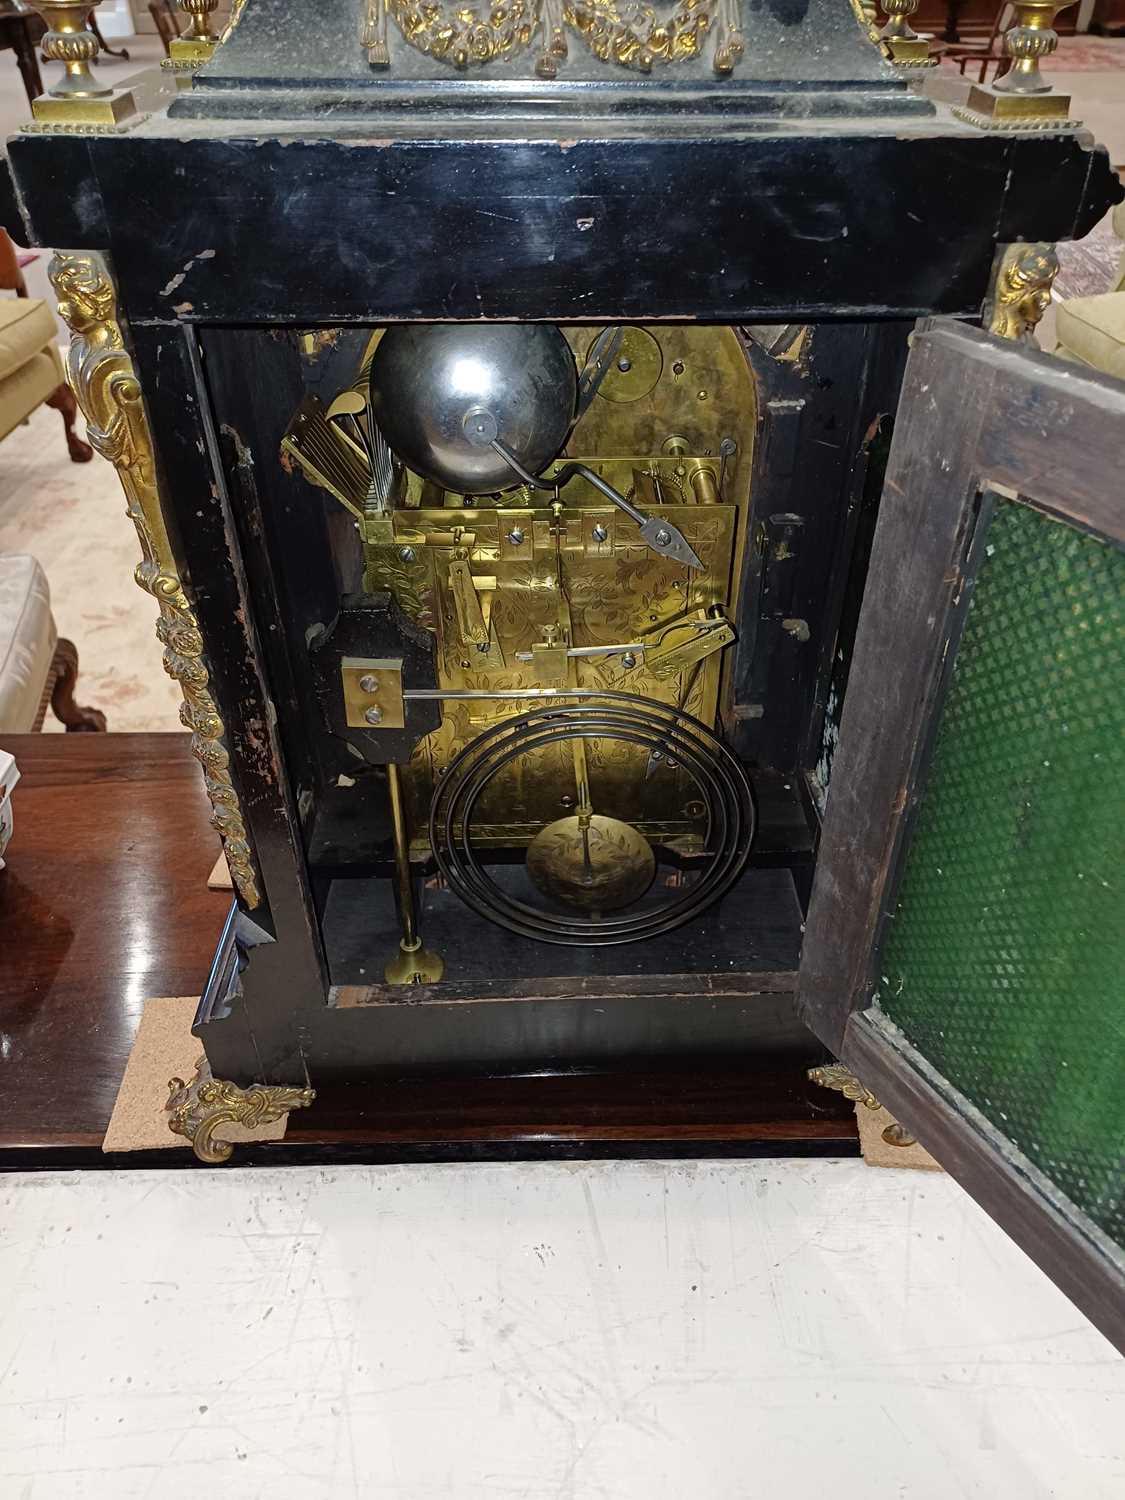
[
  {"x": 1091, "y": 330},
  {"x": 36, "y": 667},
  {"x": 31, "y": 370}
]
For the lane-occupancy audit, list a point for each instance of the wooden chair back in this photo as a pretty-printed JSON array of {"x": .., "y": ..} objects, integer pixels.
[{"x": 11, "y": 277}]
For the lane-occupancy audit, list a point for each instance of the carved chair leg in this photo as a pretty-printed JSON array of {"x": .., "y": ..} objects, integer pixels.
[
  {"x": 65, "y": 669},
  {"x": 62, "y": 400}
]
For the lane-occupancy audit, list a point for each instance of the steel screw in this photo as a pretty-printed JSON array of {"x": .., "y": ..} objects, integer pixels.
[
  {"x": 515, "y": 536},
  {"x": 599, "y": 533},
  {"x": 628, "y": 660},
  {"x": 624, "y": 364},
  {"x": 663, "y": 537},
  {"x": 407, "y": 554},
  {"x": 368, "y": 683},
  {"x": 373, "y": 715}
]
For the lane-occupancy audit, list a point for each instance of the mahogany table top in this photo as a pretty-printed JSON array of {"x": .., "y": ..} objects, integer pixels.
[{"x": 104, "y": 903}]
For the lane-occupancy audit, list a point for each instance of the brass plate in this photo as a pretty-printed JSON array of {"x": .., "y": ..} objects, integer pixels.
[
  {"x": 640, "y": 352},
  {"x": 386, "y": 696},
  {"x": 75, "y": 110},
  {"x": 618, "y": 592}
]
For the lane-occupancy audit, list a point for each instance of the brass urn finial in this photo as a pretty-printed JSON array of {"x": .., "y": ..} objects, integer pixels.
[
  {"x": 904, "y": 46},
  {"x": 78, "y": 98},
  {"x": 71, "y": 42},
  {"x": 199, "y": 14},
  {"x": 1022, "y": 97},
  {"x": 198, "y": 43},
  {"x": 1030, "y": 37}
]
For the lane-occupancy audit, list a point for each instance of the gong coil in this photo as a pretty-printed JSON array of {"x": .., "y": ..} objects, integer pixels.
[{"x": 721, "y": 785}]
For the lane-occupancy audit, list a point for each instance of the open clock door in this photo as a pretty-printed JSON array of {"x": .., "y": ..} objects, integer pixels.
[{"x": 965, "y": 946}]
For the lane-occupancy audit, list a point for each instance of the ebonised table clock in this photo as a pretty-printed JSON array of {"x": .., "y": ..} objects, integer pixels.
[{"x": 611, "y": 625}]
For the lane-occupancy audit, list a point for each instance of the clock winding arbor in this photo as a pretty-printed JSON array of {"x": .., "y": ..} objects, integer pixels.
[{"x": 502, "y": 396}]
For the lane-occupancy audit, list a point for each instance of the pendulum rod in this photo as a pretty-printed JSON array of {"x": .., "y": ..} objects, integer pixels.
[
  {"x": 412, "y": 964},
  {"x": 584, "y": 808}
]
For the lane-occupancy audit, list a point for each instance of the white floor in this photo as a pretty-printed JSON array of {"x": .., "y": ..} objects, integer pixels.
[{"x": 695, "y": 1331}]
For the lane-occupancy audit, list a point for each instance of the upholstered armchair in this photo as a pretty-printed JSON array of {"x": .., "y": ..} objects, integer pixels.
[{"x": 31, "y": 372}]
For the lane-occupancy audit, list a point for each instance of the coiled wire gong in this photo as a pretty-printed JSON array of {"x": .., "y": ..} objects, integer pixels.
[{"x": 719, "y": 779}]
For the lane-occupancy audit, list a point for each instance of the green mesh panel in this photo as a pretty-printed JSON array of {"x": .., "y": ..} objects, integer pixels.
[{"x": 1005, "y": 962}]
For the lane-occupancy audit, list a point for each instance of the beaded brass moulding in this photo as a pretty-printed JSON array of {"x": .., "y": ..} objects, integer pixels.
[{"x": 102, "y": 377}]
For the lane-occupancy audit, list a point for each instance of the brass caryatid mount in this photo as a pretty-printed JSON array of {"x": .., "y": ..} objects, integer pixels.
[
  {"x": 101, "y": 374},
  {"x": 197, "y": 1109},
  {"x": 1021, "y": 290}
]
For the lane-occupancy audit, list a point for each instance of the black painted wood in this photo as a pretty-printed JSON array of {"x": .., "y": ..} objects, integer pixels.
[
  {"x": 821, "y": 394},
  {"x": 753, "y": 228}
]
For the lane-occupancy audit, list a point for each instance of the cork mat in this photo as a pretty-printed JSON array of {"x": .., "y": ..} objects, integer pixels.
[
  {"x": 164, "y": 1048},
  {"x": 879, "y": 1153},
  {"x": 219, "y": 878}
]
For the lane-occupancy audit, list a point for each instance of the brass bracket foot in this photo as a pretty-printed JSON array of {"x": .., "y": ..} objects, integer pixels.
[
  {"x": 414, "y": 965},
  {"x": 198, "y": 1108},
  {"x": 843, "y": 1081}
]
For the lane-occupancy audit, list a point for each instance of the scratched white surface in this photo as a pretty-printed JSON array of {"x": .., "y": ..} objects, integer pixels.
[{"x": 691, "y": 1331}]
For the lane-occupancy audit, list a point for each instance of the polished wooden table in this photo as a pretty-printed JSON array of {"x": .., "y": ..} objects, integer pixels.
[{"x": 104, "y": 903}]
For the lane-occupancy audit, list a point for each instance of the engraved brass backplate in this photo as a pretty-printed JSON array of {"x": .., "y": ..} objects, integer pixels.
[
  {"x": 616, "y": 594},
  {"x": 521, "y": 594}
]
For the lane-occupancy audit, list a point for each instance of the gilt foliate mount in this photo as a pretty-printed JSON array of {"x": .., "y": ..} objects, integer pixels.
[{"x": 639, "y": 35}]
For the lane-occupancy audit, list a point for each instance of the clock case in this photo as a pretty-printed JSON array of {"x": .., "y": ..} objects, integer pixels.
[{"x": 820, "y": 205}]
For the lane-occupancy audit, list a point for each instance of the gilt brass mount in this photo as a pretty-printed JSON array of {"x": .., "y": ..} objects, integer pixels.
[
  {"x": 904, "y": 46},
  {"x": 197, "y": 1109},
  {"x": 100, "y": 372},
  {"x": 639, "y": 37},
  {"x": 1021, "y": 290},
  {"x": 1022, "y": 98},
  {"x": 842, "y": 1080},
  {"x": 78, "y": 99}
]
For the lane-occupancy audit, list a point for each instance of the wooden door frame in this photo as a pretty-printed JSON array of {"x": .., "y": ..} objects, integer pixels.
[{"x": 978, "y": 413}]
